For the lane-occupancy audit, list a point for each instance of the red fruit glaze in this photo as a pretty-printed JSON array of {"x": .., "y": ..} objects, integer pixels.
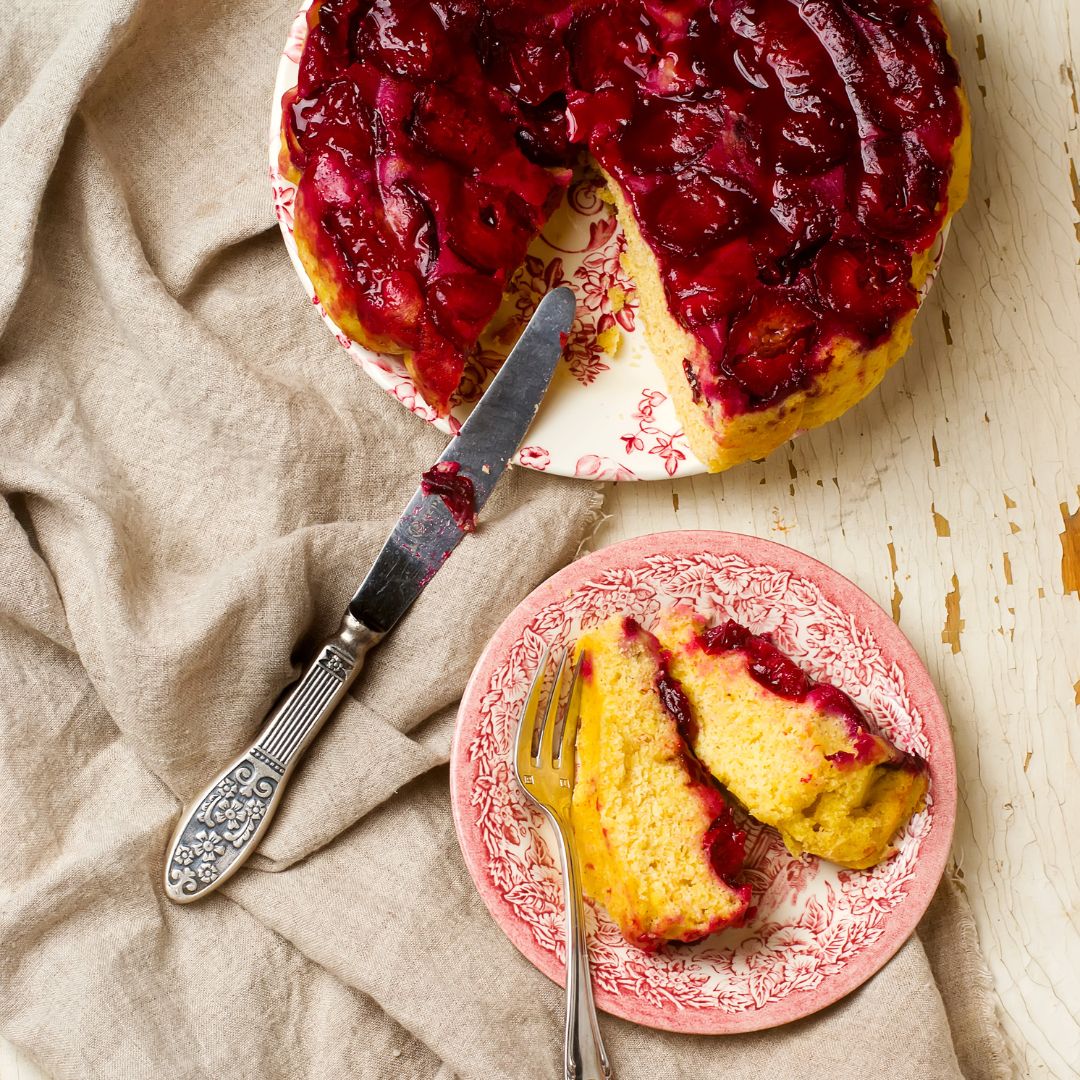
[
  {"x": 784, "y": 159},
  {"x": 446, "y": 480},
  {"x": 781, "y": 675}
]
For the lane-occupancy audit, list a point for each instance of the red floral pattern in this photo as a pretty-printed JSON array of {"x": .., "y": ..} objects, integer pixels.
[
  {"x": 810, "y": 918},
  {"x": 671, "y": 447}
]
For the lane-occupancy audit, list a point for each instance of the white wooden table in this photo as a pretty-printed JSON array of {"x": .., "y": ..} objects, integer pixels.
[{"x": 952, "y": 496}]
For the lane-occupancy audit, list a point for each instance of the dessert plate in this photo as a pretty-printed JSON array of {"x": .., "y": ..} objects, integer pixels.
[
  {"x": 816, "y": 931},
  {"x": 607, "y": 415}
]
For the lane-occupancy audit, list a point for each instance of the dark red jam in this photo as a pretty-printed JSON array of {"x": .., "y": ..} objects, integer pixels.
[
  {"x": 784, "y": 159},
  {"x": 446, "y": 480},
  {"x": 780, "y": 674},
  {"x": 586, "y": 665},
  {"x": 724, "y": 842}
]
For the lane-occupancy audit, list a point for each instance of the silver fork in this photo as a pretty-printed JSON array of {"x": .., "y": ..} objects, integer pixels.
[{"x": 547, "y": 779}]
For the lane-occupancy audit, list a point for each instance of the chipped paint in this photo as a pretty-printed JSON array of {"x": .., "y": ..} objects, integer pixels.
[
  {"x": 937, "y": 456},
  {"x": 946, "y": 326},
  {"x": 1009, "y": 504},
  {"x": 1072, "y": 88},
  {"x": 675, "y": 501},
  {"x": 1006, "y": 562},
  {"x": 1013, "y": 528},
  {"x": 1076, "y": 692},
  {"x": 1027, "y": 760},
  {"x": 1070, "y": 549},
  {"x": 941, "y": 523},
  {"x": 897, "y": 595},
  {"x": 1075, "y": 181},
  {"x": 980, "y": 47},
  {"x": 1042, "y": 593},
  {"x": 954, "y": 625}
]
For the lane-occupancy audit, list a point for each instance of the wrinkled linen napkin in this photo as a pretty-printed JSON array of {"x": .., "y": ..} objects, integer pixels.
[{"x": 194, "y": 480}]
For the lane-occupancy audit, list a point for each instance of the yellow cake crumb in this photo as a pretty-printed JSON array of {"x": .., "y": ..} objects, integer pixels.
[{"x": 640, "y": 817}]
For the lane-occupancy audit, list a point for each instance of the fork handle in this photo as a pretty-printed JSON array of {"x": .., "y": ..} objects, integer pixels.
[
  {"x": 223, "y": 826},
  {"x": 584, "y": 1057}
]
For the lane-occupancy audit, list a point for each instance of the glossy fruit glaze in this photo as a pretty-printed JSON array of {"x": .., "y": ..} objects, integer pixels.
[
  {"x": 778, "y": 673},
  {"x": 784, "y": 160},
  {"x": 446, "y": 480},
  {"x": 724, "y": 842}
]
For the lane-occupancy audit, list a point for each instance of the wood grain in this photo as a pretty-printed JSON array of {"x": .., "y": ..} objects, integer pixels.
[
  {"x": 959, "y": 478},
  {"x": 951, "y": 496}
]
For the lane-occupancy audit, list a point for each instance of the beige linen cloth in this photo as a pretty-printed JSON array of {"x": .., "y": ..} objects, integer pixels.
[{"x": 194, "y": 480}]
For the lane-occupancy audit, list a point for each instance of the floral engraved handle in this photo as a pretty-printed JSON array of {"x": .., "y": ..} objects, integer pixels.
[{"x": 226, "y": 822}]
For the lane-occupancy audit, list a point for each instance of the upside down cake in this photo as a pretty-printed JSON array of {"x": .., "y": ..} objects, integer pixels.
[{"x": 780, "y": 168}]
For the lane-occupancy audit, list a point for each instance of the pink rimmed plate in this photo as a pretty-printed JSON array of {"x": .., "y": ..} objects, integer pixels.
[
  {"x": 607, "y": 415},
  {"x": 817, "y": 931}
]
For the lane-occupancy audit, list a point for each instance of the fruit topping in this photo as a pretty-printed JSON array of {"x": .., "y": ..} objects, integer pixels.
[
  {"x": 784, "y": 160},
  {"x": 456, "y": 490}
]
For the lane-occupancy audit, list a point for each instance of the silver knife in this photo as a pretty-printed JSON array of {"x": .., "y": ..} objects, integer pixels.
[{"x": 220, "y": 829}]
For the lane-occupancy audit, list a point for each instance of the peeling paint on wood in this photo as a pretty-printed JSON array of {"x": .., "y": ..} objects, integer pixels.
[
  {"x": 941, "y": 523},
  {"x": 1075, "y": 181},
  {"x": 954, "y": 625},
  {"x": 1006, "y": 562},
  {"x": 946, "y": 325},
  {"x": 1070, "y": 550},
  {"x": 897, "y": 595},
  {"x": 1027, "y": 760},
  {"x": 937, "y": 456}
]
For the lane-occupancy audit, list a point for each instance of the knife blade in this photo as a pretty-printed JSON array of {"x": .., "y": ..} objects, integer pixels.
[
  {"x": 219, "y": 829},
  {"x": 426, "y": 532}
]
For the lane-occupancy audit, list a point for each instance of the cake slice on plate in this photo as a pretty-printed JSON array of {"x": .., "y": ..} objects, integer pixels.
[
  {"x": 658, "y": 846},
  {"x": 797, "y": 754}
]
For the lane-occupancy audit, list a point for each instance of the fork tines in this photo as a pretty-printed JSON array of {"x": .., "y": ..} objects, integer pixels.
[{"x": 535, "y": 757}]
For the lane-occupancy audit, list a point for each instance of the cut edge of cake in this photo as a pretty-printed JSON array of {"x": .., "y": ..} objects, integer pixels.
[{"x": 852, "y": 374}]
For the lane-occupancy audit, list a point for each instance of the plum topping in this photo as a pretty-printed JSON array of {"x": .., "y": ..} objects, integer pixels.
[
  {"x": 725, "y": 845},
  {"x": 446, "y": 480},
  {"x": 785, "y": 159},
  {"x": 781, "y": 675}
]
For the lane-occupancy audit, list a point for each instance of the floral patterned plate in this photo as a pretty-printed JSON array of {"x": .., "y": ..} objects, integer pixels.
[{"x": 816, "y": 931}]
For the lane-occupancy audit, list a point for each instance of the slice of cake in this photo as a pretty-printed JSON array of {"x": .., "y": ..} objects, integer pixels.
[
  {"x": 415, "y": 201},
  {"x": 798, "y": 755},
  {"x": 658, "y": 845}
]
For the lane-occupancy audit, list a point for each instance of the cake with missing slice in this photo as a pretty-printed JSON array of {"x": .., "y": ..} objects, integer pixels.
[{"x": 781, "y": 169}]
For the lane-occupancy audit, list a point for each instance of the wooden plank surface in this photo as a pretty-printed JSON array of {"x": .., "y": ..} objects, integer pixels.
[{"x": 952, "y": 496}]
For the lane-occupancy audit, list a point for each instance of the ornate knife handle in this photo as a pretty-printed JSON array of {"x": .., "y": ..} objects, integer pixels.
[{"x": 222, "y": 827}]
